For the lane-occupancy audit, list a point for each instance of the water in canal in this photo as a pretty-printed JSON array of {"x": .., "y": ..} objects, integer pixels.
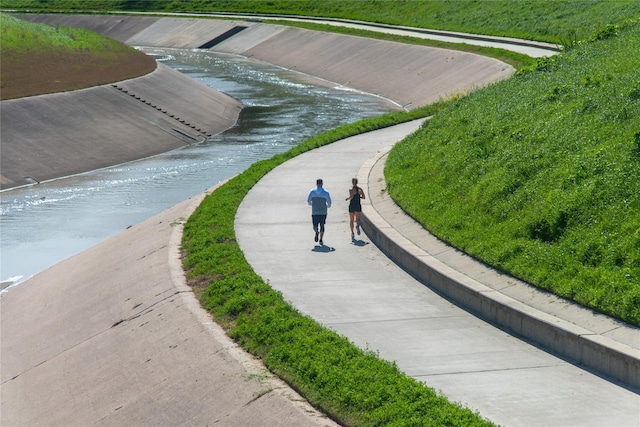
[{"x": 46, "y": 223}]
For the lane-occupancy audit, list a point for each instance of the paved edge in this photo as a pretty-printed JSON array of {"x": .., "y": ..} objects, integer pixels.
[{"x": 593, "y": 351}]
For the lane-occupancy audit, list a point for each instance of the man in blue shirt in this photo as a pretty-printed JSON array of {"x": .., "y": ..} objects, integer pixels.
[{"x": 319, "y": 200}]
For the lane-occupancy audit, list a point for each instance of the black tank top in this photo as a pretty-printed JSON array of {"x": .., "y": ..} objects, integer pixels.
[{"x": 355, "y": 200}]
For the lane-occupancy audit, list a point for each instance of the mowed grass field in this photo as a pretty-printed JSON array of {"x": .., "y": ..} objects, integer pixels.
[
  {"x": 540, "y": 175},
  {"x": 545, "y": 20}
]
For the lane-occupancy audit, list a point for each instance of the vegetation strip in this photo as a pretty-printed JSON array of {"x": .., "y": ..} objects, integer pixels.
[
  {"x": 558, "y": 22},
  {"x": 545, "y": 184}
]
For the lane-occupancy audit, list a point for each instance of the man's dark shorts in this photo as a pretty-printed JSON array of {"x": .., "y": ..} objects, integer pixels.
[{"x": 318, "y": 220}]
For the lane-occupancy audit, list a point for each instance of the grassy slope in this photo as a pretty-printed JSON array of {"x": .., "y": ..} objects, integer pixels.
[
  {"x": 552, "y": 21},
  {"x": 38, "y": 59},
  {"x": 548, "y": 20},
  {"x": 545, "y": 183}
]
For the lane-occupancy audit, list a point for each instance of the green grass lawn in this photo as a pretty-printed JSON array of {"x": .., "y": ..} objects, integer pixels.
[
  {"x": 553, "y": 21},
  {"x": 21, "y": 37},
  {"x": 38, "y": 59},
  {"x": 540, "y": 175},
  {"x": 546, "y": 20}
]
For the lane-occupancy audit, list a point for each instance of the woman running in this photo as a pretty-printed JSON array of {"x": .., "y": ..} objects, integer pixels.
[{"x": 355, "y": 208}]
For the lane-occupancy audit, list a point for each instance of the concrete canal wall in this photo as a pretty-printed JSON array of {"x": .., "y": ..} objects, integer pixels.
[{"x": 50, "y": 136}]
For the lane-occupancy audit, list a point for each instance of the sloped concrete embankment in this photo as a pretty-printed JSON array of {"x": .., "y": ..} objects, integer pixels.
[
  {"x": 113, "y": 336},
  {"x": 50, "y": 136},
  {"x": 411, "y": 76},
  {"x": 56, "y": 135}
]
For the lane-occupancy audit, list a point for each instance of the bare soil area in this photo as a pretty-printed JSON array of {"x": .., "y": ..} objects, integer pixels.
[{"x": 51, "y": 72}]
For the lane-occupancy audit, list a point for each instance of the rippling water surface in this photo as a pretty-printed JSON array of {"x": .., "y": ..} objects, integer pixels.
[{"x": 46, "y": 223}]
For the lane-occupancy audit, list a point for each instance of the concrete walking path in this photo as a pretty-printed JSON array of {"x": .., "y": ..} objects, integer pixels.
[
  {"x": 113, "y": 335},
  {"x": 353, "y": 288}
]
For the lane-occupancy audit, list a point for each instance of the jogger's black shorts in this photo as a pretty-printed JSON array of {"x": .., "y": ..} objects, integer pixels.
[{"x": 318, "y": 220}]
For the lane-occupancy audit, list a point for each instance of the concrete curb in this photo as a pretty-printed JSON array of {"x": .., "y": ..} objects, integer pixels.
[{"x": 584, "y": 347}]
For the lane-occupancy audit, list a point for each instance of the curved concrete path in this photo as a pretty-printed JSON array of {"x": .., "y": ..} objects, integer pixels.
[
  {"x": 353, "y": 288},
  {"x": 106, "y": 337}
]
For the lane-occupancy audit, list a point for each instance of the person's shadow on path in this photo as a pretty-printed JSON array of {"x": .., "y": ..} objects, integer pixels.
[
  {"x": 358, "y": 242},
  {"x": 323, "y": 248}
]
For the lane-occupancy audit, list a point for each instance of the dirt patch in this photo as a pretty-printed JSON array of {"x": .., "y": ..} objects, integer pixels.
[{"x": 50, "y": 72}]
